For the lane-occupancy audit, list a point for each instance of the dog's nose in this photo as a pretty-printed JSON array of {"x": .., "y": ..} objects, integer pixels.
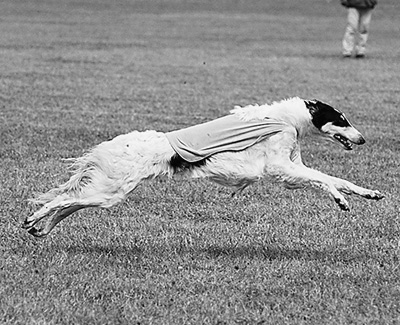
[{"x": 361, "y": 140}]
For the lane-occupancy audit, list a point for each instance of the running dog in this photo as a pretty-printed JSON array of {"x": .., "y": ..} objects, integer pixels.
[{"x": 236, "y": 150}]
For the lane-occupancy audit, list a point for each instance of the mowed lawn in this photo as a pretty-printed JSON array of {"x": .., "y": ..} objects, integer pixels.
[{"x": 76, "y": 73}]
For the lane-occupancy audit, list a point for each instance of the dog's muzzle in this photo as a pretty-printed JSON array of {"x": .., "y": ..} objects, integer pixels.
[{"x": 348, "y": 141}]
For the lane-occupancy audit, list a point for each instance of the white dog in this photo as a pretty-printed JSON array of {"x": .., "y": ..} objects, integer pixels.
[{"x": 235, "y": 150}]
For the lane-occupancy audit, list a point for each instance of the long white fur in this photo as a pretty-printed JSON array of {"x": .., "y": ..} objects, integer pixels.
[{"x": 110, "y": 171}]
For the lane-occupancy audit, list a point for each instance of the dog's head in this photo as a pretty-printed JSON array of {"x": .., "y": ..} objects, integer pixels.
[{"x": 332, "y": 124}]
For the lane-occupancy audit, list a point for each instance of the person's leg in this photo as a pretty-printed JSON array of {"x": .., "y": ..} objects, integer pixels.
[
  {"x": 363, "y": 28},
  {"x": 350, "y": 32}
]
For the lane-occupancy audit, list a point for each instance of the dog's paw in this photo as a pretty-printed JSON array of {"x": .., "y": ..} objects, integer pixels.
[
  {"x": 342, "y": 203},
  {"x": 37, "y": 232},
  {"x": 375, "y": 195},
  {"x": 28, "y": 223}
]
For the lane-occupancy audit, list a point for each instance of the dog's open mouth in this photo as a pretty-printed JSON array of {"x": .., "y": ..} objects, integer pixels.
[{"x": 344, "y": 141}]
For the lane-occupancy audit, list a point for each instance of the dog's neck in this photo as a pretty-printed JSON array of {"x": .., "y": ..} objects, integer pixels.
[{"x": 291, "y": 111}]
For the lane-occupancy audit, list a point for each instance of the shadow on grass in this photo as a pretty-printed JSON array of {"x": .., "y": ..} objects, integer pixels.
[{"x": 267, "y": 253}]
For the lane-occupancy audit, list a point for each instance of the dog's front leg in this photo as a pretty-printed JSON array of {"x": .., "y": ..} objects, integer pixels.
[
  {"x": 350, "y": 188},
  {"x": 298, "y": 176}
]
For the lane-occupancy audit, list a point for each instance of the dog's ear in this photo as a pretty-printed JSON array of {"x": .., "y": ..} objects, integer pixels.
[{"x": 312, "y": 105}]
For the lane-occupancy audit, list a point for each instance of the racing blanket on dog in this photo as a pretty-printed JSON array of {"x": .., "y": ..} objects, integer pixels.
[{"x": 227, "y": 133}]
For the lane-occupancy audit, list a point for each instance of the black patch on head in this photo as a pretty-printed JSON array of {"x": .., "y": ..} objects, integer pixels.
[
  {"x": 322, "y": 114},
  {"x": 178, "y": 163}
]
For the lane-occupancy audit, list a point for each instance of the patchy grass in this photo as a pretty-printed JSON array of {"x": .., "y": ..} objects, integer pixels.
[{"x": 183, "y": 252}]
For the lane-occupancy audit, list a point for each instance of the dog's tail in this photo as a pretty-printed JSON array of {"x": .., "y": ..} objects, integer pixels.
[
  {"x": 114, "y": 168},
  {"x": 83, "y": 170}
]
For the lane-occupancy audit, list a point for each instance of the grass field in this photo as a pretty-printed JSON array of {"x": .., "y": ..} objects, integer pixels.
[{"x": 75, "y": 73}]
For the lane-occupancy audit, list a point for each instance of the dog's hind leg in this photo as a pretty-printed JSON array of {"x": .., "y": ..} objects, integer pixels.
[
  {"x": 56, "y": 210},
  {"x": 50, "y": 208},
  {"x": 54, "y": 220},
  {"x": 97, "y": 192},
  {"x": 104, "y": 177},
  {"x": 64, "y": 205}
]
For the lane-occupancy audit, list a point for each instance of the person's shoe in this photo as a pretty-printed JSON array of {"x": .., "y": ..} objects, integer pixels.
[
  {"x": 360, "y": 56},
  {"x": 346, "y": 55}
]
